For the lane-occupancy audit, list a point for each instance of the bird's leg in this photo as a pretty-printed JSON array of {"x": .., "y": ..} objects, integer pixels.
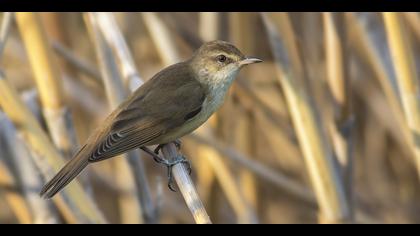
[
  {"x": 155, "y": 156},
  {"x": 169, "y": 164},
  {"x": 158, "y": 148},
  {"x": 177, "y": 143}
]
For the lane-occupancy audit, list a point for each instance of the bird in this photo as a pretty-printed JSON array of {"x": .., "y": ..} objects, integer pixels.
[{"x": 173, "y": 103}]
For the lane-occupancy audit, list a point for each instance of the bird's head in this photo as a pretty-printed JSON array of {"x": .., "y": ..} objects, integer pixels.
[{"x": 219, "y": 62}]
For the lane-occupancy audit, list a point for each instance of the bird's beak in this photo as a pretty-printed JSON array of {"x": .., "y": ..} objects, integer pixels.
[{"x": 249, "y": 60}]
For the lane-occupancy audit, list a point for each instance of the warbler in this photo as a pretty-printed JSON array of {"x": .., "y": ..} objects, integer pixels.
[{"x": 173, "y": 103}]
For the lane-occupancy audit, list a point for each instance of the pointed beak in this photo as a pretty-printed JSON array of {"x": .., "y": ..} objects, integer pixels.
[{"x": 249, "y": 60}]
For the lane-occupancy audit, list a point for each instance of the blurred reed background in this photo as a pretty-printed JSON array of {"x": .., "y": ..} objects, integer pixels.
[{"x": 326, "y": 130}]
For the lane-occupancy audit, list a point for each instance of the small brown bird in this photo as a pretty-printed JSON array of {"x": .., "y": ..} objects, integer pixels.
[{"x": 173, "y": 103}]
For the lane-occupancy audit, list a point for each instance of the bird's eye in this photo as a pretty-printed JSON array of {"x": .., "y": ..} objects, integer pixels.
[{"x": 221, "y": 58}]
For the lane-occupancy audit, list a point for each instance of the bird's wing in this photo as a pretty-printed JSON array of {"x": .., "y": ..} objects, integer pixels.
[{"x": 153, "y": 110}]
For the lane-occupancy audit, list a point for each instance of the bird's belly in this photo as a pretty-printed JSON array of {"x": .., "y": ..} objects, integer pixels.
[
  {"x": 187, "y": 128},
  {"x": 208, "y": 108}
]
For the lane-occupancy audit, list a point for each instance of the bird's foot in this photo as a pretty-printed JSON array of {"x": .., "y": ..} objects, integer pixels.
[
  {"x": 177, "y": 143},
  {"x": 171, "y": 164}
]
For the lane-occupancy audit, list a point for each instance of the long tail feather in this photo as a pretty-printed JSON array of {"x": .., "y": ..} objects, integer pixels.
[{"x": 70, "y": 171}]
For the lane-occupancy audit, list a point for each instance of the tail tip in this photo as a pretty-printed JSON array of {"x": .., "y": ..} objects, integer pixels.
[
  {"x": 44, "y": 195},
  {"x": 46, "y": 192}
]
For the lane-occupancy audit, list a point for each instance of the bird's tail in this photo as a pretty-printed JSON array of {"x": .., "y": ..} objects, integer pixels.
[{"x": 70, "y": 171}]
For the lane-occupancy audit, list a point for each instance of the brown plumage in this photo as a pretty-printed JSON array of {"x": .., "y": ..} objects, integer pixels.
[{"x": 173, "y": 103}]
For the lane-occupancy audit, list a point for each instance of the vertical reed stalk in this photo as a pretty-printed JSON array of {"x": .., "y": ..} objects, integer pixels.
[
  {"x": 339, "y": 84},
  {"x": 116, "y": 41},
  {"x": 161, "y": 36},
  {"x": 413, "y": 20},
  {"x": 209, "y": 23},
  {"x": 406, "y": 74},
  {"x": 55, "y": 28},
  {"x": 367, "y": 49},
  {"x": 323, "y": 173},
  {"x": 5, "y": 29},
  {"x": 49, "y": 82}
]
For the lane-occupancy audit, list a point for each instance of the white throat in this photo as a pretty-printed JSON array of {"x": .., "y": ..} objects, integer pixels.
[{"x": 218, "y": 87}]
